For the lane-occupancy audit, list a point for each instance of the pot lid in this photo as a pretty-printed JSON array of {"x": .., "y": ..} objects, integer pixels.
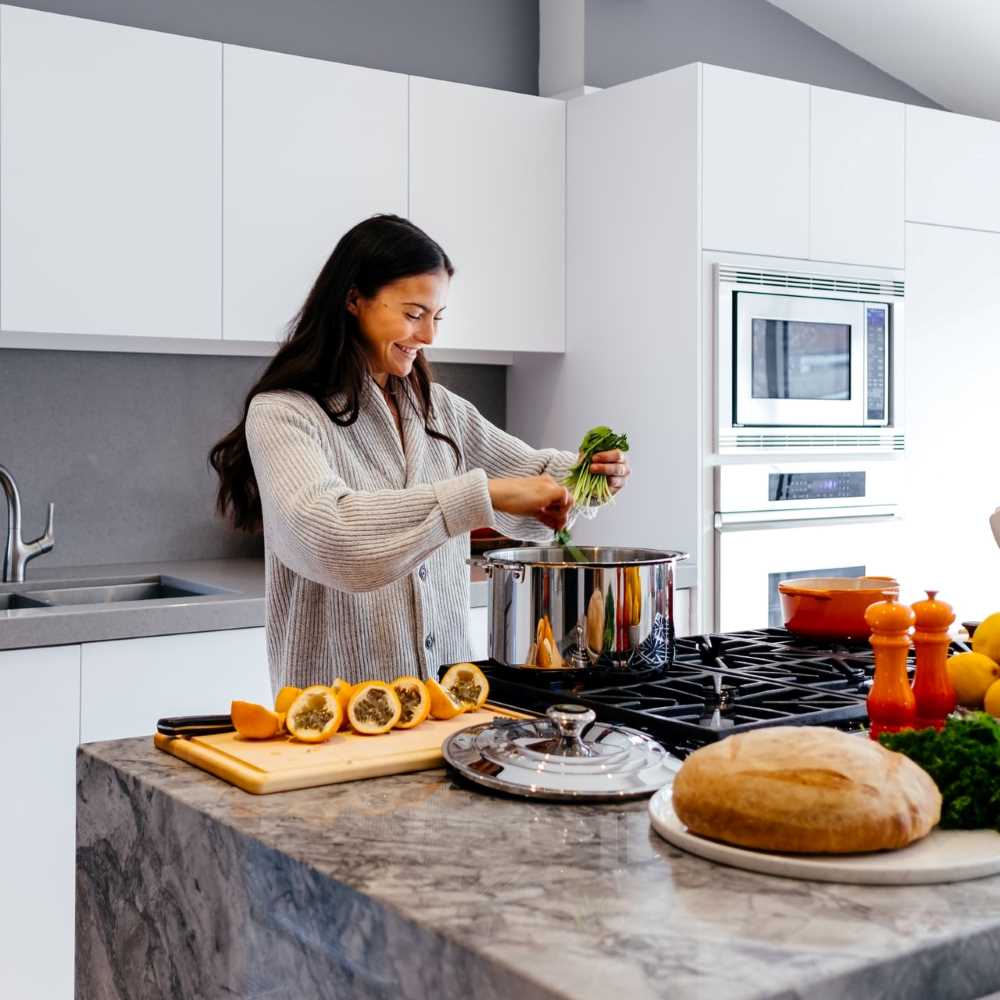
[{"x": 567, "y": 755}]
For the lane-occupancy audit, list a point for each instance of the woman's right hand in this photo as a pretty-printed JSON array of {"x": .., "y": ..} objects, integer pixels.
[{"x": 540, "y": 497}]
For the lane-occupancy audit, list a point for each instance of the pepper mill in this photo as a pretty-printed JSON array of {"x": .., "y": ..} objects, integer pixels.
[
  {"x": 932, "y": 687},
  {"x": 891, "y": 705}
]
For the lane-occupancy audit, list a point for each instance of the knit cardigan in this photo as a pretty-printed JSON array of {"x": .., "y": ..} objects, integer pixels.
[{"x": 366, "y": 535}]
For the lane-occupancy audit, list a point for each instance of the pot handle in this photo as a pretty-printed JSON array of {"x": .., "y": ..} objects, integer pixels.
[
  {"x": 478, "y": 562},
  {"x": 515, "y": 569}
]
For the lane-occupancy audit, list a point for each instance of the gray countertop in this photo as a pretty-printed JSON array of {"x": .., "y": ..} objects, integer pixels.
[
  {"x": 412, "y": 886},
  {"x": 241, "y": 607}
]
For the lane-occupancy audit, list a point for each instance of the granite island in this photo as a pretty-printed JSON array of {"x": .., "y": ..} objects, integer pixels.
[{"x": 414, "y": 886}]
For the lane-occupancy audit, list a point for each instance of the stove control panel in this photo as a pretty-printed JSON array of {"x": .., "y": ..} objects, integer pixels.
[{"x": 815, "y": 485}]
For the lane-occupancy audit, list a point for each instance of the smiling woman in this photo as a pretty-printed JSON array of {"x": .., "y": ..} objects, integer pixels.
[{"x": 366, "y": 476}]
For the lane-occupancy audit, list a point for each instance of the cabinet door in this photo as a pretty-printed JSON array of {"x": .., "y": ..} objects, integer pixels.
[
  {"x": 487, "y": 181},
  {"x": 126, "y": 685},
  {"x": 479, "y": 628},
  {"x": 311, "y": 148},
  {"x": 952, "y": 357},
  {"x": 952, "y": 166},
  {"x": 38, "y": 835},
  {"x": 755, "y": 163},
  {"x": 856, "y": 190},
  {"x": 110, "y": 196}
]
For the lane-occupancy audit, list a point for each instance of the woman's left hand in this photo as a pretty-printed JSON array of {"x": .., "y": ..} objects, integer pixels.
[{"x": 612, "y": 464}]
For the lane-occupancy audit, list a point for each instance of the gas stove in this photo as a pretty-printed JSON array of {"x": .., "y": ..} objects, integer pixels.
[{"x": 717, "y": 685}]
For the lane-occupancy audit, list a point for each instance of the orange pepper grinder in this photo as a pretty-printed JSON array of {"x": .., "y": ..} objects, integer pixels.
[
  {"x": 891, "y": 705},
  {"x": 932, "y": 687}
]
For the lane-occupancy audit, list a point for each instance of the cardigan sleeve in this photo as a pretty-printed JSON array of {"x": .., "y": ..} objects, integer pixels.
[
  {"x": 502, "y": 456},
  {"x": 347, "y": 539}
]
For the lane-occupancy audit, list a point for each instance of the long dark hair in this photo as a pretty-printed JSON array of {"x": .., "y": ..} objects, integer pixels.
[{"x": 324, "y": 353}]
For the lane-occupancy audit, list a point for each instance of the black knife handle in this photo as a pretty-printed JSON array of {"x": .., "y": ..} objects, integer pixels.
[{"x": 194, "y": 725}]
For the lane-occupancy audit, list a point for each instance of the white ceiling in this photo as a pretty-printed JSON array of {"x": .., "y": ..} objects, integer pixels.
[{"x": 946, "y": 49}]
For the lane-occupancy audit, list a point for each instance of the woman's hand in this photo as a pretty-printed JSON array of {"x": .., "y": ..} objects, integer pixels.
[
  {"x": 540, "y": 497},
  {"x": 612, "y": 464}
]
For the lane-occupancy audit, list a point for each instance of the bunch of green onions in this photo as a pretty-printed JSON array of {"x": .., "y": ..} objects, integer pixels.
[{"x": 590, "y": 489}]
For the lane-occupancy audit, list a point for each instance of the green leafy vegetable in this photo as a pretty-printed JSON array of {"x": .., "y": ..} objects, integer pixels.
[
  {"x": 591, "y": 489},
  {"x": 609, "y": 622},
  {"x": 964, "y": 761}
]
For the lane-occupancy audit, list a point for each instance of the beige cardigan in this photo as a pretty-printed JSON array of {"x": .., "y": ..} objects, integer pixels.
[{"x": 366, "y": 540}]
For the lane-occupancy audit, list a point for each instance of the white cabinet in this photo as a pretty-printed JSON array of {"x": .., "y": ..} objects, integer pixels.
[
  {"x": 952, "y": 475},
  {"x": 755, "y": 163},
  {"x": 856, "y": 184},
  {"x": 110, "y": 178},
  {"x": 38, "y": 835},
  {"x": 127, "y": 684},
  {"x": 310, "y": 149},
  {"x": 479, "y": 629},
  {"x": 952, "y": 166},
  {"x": 487, "y": 181}
]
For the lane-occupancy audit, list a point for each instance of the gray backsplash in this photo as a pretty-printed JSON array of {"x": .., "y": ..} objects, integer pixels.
[{"x": 119, "y": 442}]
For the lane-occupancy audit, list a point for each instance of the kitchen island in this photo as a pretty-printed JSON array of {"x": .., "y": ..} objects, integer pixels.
[{"x": 414, "y": 886}]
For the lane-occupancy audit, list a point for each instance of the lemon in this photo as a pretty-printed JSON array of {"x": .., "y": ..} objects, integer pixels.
[
  {"x": 986, "y": 638},
  {"x": 992, "y": 700},
  {"x": 971, "y": 674}
]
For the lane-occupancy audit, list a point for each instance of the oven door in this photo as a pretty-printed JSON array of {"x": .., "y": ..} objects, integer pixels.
[
  {"x": 752, "y": 559},
  {"x": 798, "y": 361}
]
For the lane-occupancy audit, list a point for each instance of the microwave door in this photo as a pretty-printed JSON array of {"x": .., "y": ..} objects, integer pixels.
[{"x": 798, "y": 361}]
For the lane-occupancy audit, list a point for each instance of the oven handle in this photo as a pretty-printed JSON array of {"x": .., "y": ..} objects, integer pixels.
[{"x": 738, "y": 522}]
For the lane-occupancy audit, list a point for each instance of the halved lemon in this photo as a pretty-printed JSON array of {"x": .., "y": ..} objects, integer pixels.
[
  {"x": 315, "y": 715},
  {"x": 254, "y": 722},
  {"x": 415, "y": 700},
  {"x": 467, "y": 683},
  {"x": 285, "y": 698},
  {"x": 374, "y": 707},
  {"x": 444, "y": 705}
]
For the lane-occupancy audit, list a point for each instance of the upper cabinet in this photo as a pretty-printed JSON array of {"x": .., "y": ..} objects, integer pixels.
[
  {"x": 856, "y": 179},
  {"x": 487, "y": 181},
  {"x": 791, "y": 170},
  {"x": 310, "y": 149},
  {"x": 952, "y": 166},
  {"x": 110, "y": 179},
  {"x": 755, "y": 163}
]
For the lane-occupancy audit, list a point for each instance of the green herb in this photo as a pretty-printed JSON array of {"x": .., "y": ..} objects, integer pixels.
[
  {"x": 964, "y": 761},
  {"x": 591, "y": 489}
]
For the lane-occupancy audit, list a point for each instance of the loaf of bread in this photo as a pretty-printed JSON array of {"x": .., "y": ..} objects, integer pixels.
[{"x": 805, "y": 789}]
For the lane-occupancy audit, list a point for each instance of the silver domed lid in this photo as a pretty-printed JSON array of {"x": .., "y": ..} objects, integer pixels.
[{"x": 567, "y": 755}]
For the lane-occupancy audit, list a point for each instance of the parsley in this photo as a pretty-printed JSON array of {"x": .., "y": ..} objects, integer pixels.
[{"x": 964, "y": 761}]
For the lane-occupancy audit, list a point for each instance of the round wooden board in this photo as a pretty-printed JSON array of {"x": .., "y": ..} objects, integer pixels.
[{"x": 942, "y": 856}]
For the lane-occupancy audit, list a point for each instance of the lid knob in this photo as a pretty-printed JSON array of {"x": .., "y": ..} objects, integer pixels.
[{"x": 571, "y": 721}]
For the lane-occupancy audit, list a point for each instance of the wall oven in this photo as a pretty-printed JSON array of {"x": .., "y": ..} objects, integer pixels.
[
  {"x": 808, "y": 361},
  {"x": 785, "y": 521}
]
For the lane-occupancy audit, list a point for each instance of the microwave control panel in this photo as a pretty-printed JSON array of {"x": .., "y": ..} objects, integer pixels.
[{"x": 876, "y": 363}]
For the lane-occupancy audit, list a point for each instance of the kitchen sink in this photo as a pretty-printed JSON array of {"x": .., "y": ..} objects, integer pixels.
[
  {"x": 18, "y": 602},
  {"x": 151, "y": 588}
]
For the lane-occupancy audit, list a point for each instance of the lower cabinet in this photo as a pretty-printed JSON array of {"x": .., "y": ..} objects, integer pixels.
[
  {"x": 58, "y": 697},
  {"x": 127, "y": 684},
  {"x": 38, "y": 834},
  {"x": 479, "y": 632}
]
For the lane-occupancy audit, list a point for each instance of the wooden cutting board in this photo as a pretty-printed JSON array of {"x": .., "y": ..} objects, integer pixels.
[{"x": 282, "y": 764}]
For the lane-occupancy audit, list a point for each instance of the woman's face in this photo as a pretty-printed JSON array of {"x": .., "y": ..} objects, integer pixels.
[{"x": 400, "y": 320}]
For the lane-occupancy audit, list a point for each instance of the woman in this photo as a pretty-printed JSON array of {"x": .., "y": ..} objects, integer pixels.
[{"x": 367, "y": 477}]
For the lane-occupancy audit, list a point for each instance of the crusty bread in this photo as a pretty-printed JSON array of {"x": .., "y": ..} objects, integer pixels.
[{"x": 805, "y": 789}]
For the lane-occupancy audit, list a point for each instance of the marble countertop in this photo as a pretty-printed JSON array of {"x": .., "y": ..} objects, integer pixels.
[
  {"x": 241, "y": 606},
  {"x": 413, "y": 886}
]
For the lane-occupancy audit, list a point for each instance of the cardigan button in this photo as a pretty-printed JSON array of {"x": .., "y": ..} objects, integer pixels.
[
  {"x": 422, "y": 572},
  {"x": 429, "y": 642}
]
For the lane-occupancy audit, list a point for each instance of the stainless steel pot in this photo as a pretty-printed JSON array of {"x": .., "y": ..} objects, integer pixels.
[{"x": 581, "y": 607}]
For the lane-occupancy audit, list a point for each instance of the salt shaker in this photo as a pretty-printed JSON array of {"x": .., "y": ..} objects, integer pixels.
[
  {"x": 932, "y": 688},
  {"x": 891, "y": 705}
]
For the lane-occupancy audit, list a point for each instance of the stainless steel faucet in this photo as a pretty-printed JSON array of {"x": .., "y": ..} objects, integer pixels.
[{"x": 17, "y": 552}]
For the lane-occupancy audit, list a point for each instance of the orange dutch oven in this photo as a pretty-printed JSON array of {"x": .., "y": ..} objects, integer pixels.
[{"x": 832, "y": 607}]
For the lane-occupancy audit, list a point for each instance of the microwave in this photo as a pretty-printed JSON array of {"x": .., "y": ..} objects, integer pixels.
[{"x": 809, "y": 361}]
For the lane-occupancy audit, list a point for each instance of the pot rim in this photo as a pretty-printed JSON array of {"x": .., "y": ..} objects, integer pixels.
[{"x": 522, "y": 557}]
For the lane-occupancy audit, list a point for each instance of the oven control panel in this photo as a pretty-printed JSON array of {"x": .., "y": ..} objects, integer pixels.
[{"x": 838, "y": 488}]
